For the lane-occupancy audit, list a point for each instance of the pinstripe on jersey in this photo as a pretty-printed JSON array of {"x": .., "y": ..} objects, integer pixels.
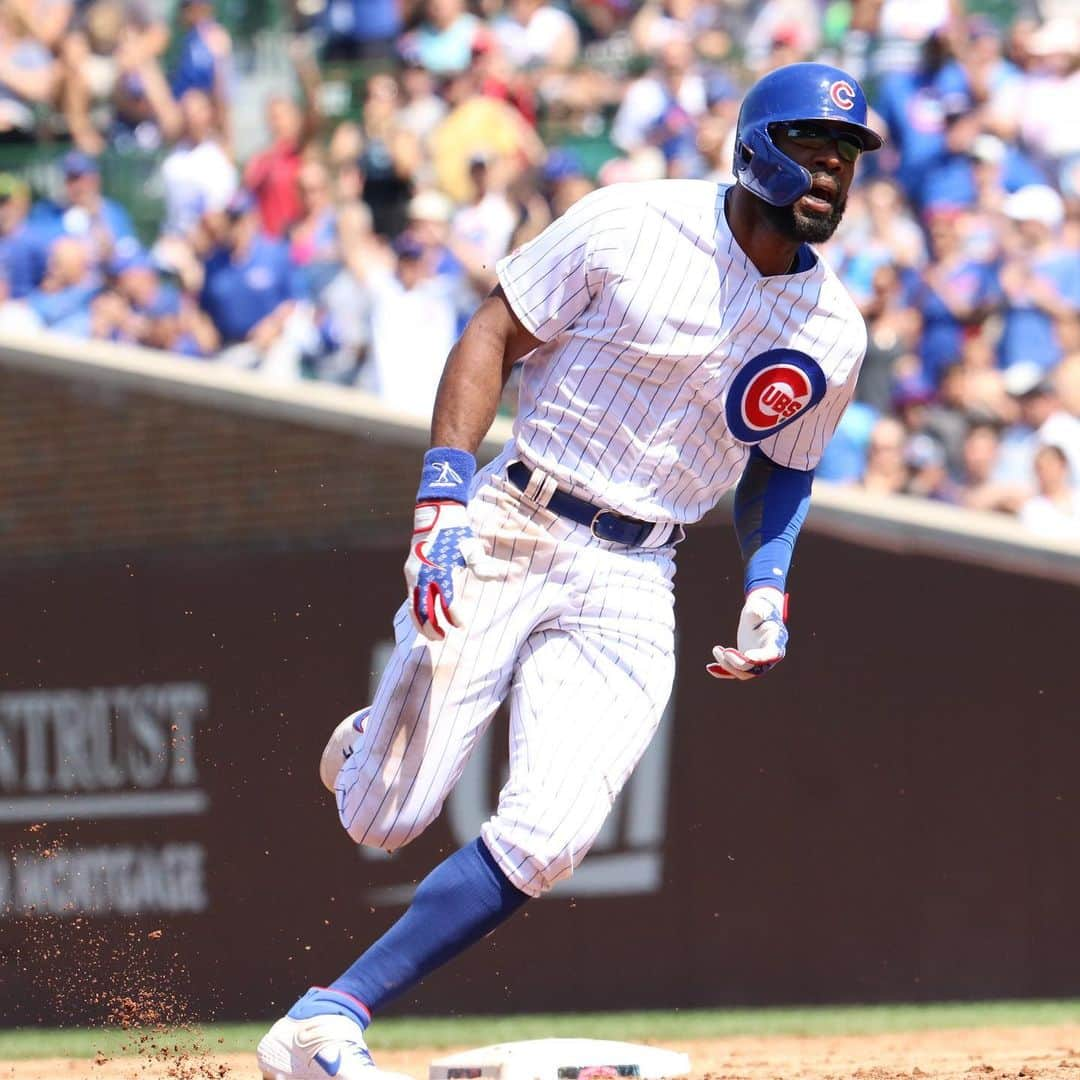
[{"x": 647, "y": 308}]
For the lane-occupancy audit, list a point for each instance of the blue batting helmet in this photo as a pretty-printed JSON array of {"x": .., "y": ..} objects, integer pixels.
[{"x": 794, "y": 92}]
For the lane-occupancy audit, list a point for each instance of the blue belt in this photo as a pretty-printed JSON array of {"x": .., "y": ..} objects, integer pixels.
[{"x": 605, "y": 524}]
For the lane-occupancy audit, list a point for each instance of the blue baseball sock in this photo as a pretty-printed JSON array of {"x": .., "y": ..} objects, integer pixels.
[{"x": 465, "y": 897}]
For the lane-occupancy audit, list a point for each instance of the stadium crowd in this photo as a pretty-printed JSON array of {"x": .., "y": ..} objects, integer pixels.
[{"x": 353, "y": 251}]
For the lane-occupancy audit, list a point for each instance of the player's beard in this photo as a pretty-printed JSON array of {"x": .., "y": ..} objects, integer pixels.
[{"x": 806, "y": 228}]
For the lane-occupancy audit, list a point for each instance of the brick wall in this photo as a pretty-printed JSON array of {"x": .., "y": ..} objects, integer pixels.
[{"x": 86, "y": 467}]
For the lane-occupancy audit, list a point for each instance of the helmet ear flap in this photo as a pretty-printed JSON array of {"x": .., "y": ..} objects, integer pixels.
[{"x": 762, "y": 168}]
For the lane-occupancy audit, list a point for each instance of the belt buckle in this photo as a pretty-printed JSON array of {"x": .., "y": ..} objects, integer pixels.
[{"x": 596, "y": 517}]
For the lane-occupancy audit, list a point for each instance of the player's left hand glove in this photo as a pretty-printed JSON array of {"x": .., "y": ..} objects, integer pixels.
[{"x": 762, "y": 638}]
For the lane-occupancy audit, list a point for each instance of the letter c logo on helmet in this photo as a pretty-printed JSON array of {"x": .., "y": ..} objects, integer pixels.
[
  {"x": 787, "y": 95},
  {"x": 843, "y": 94}
]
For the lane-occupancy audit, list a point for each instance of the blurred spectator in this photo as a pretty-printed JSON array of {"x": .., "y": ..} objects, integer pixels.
[
  {"x": 661, "y": 107},
  {"x": 197, "y": 174},
  {"x": 413, "y": 327},
  {"x": 389, "y": 156},
  {"x": 478, "y": 124},
  {"x": 344, "y": 308},
  {"x": 791, "y": 25},
  {"x": 482, "y": 229},
  {"x": 101, "y": 224},
  {"x": 1040, "y": 278},
  {"x": 1033, "y": 108},
  {"x": 204, "y": 61},
  {"x": 979, "y": 490},
  {"x": 29, "y": 75},
  {"x": 915, "y": 104},
  {"x": 892, "y": 333},
  {"x": 423, "y": 108},
  {"x": 359, "y": 29},
  {"x": 1055, "y": 511},
  {"x": 272, "y": 173},
  {"x": 252, "y": 293},
  {"x": 1040, "y": 420},
  {"x": 954, "y": 294},
  {"x": 16, "y": 315},
  {"x": 108, "y": 45},
  {"x": 62, "y": 300},
  {"x": 313, "y": 236},
  {"x": 443, "y": 42},
  {"x": 537, "y": 36},
  {"x": 143, "y": 309},
  {"x": 23, "y": 250},
  {"x": 886, "y": 471}
]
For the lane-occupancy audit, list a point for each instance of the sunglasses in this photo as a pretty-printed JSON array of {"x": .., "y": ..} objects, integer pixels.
[{"x": 816, "y": 137}]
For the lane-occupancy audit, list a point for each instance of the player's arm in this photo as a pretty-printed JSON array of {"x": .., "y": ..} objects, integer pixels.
[
  {"x": 771, "y": 502},
  {"x": 469, "y": 391},
  {"x": 476, "y": 372}
]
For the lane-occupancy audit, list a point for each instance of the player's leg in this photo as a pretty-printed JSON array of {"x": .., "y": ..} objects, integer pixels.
[
  {"x": 586, "y": 699},
  {"x": 432, "y": 704}
]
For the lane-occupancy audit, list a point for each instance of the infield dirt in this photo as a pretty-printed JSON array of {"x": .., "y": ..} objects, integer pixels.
[{"x": 1034, "y": 1053}]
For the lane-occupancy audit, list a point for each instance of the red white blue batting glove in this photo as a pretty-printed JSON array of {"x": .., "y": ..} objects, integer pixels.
[
  {"x": 762, "y": 637},
  {"x": 443, "y": 546}
]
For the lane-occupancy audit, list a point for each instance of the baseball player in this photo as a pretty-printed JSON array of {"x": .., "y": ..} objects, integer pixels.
[{"x": 678, "y": 338}]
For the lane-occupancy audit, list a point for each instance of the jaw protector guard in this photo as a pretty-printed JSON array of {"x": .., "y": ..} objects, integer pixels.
[{"x": 810, "y": 92}]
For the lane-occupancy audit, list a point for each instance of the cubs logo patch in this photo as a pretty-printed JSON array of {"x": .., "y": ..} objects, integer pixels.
[
  {"x": 771, "y": 391},
  {"x": 842, "y": 94}
]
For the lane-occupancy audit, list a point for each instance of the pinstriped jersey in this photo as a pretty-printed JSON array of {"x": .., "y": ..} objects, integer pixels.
[{"x": 666, "y": 355}]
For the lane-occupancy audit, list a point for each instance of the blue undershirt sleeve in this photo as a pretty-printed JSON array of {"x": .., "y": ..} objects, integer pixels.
[{"x": 771, "y": 502}]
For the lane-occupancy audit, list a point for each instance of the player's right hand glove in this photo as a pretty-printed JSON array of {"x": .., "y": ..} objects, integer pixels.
[
  {"x": 762, "y": 638},
  {"x": 443, "y": 547}
]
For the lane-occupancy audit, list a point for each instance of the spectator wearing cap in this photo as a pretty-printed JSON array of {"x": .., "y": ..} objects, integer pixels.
[
  {"x": 160, "y": 316},
  {"x": 480, "y": 232},
  {"x": 954, "y": 293},
  {"x": 1054, "y": 511},
  {"x": 359, "y": 29},
  {"x": 272, "y": 174},
  {"x": 100, "y": 223},
  {"x": 413, "y": 327},
  {"x": 204, "y": 61},
  {"x": 1039, "y": 277},
  {"x": 1041, "y": 420},
  {"x": 197, "y": 174},
  {"x": 29, "y": 76},
  {"x": 23, "y": 250},
  {"x": 253, "y": 295},
  {"x": 63, "y": 299}
]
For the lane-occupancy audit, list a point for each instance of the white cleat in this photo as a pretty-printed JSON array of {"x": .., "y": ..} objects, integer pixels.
[
  {"x": 340, "y": 747},
  {"x": 320, "y": 1047}
]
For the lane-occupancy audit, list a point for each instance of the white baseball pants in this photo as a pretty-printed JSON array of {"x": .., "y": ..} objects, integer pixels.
[{"x": 578, "y": 633}]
